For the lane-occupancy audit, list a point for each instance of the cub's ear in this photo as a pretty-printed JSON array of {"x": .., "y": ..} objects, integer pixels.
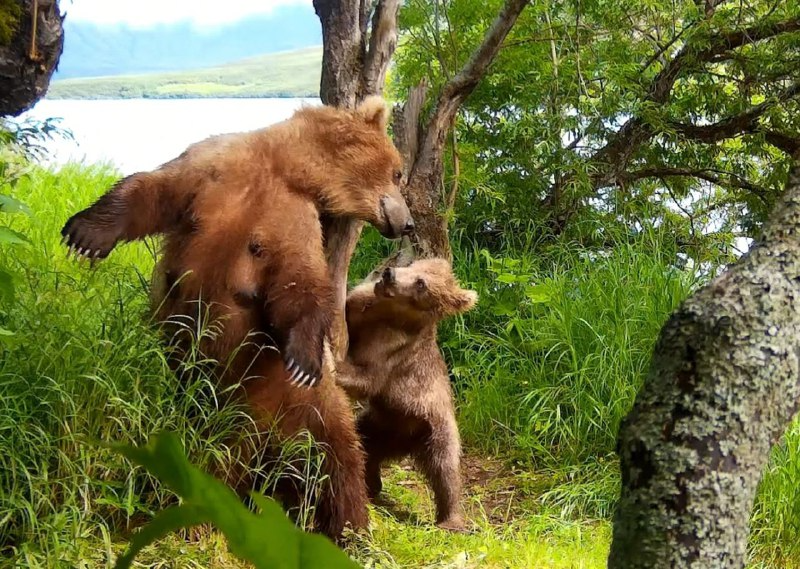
[
  {"x": 374, "y": 111},
  {"x": 463, "y": 301}
]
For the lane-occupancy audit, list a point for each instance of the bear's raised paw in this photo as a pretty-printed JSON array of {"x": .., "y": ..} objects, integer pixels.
[{"x": 87, "y": 239}]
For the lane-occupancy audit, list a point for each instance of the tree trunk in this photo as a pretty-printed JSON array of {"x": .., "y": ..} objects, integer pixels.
[
  {"x": 353, "y": 66},
  {"x": 723, "y": 386},
  {"x": 27, "y": 63}
]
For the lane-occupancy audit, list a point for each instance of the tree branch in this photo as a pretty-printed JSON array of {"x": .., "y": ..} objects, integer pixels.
[
  {"x": 406, "y": 121},
  {"x": 717, "y": 177},
  {"x": 615, "y": 155},
  {"x": 789, "y": 144},
  {"x": 460, "y": 86},
  {"x": 424, "y": 183},
  {"x": 737, "y": 124},
  {"x": 382, "y": 43}
]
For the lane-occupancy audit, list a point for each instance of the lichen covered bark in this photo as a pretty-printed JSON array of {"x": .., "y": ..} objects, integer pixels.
[
  {"x": 28, "y": 61},
  {"x": 723, "y": 386}
]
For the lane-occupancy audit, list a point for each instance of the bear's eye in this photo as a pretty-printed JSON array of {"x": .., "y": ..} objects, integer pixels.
[
  {"x": 397, "y": 176},
  {"x": 420, "y": 284}
]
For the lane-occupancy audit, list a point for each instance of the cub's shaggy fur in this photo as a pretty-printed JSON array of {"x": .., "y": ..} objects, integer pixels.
[
  {"x": 241, "y": 218},
  {"x": 395, "y": 367}
]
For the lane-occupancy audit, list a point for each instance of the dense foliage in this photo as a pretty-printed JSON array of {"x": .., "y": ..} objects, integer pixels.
[{"x": 601, "y": 116}]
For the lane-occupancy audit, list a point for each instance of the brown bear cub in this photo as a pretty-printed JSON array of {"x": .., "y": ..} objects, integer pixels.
[
  {"x": 395, "y": 367},
  {"x": 240, "y": 214}
]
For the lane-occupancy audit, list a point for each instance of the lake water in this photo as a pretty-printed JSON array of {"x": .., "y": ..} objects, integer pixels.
[{"x": 141, "y": 134}]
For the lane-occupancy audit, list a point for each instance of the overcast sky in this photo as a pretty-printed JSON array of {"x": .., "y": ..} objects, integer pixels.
[{"x": 149, "y": 12}]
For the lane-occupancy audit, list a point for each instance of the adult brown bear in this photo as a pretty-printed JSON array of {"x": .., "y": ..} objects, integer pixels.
[
  {"x": 394, "y": 365},
  {"x": 241, "y": 218}
]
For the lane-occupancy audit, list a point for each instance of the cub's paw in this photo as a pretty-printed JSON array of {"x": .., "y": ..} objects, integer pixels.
[
  {"x": 454, "y": 524},
  {"x": 303, "y": 357},
  {"x": 88, "y": 238}
]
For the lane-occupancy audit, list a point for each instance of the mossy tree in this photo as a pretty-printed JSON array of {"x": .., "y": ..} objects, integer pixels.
[{"x": 31, "y": 42}]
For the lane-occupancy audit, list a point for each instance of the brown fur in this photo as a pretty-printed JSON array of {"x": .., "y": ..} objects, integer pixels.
[
  {"x": 395, "y": 366},
  {"x": 240, "y": 214}
]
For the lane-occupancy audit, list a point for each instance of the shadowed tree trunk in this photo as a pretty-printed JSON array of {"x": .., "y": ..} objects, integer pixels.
[
  {"x": 357, "y": 50},
  {"x": 29, "y": 59},
  {"x": 723, "y": 386}
]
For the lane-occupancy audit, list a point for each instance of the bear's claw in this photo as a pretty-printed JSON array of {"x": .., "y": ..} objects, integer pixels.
[
  {"x": 299, "y": 377},
  {"x": 86, "y": 239}
]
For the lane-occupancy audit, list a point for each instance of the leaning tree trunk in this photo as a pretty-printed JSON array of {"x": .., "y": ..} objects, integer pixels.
[
  {"x": 723, "y": 386},
  {"x": 28, "y": 61},
  {"x": 353, "y": 66}
]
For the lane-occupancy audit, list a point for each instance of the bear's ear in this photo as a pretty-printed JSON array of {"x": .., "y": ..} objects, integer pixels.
[
  {"x": 464, "y": 301},
  {"x": 375, "y": 112}
]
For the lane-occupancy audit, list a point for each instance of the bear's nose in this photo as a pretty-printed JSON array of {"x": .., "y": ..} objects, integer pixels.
[
  {"x": 388, "y": 275},
  {"x": 408, "y": 228}
]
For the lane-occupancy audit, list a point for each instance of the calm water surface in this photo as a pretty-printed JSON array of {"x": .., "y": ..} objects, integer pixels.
[{"x": 140, "y": 134}]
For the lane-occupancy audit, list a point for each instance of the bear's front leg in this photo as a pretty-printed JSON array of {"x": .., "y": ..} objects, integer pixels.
[
  {"x": 139, "y": 205},
  {"x": 357, "y": 382},
  {"x": 299, "y": 304}
]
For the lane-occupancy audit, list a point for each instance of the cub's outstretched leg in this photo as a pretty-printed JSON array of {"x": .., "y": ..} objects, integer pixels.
[
  {"x": 139, "y": 205},
  {"x": 439, "y": 459}
]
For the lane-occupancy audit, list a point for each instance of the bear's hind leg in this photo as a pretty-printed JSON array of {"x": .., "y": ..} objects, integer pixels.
[
  {"x": 440, "y": 461},
  {"x": 383, "y": 441},
  {"x": 325, "y": 413}
]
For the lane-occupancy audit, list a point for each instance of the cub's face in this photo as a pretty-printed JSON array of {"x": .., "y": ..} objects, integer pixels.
[
  {"x": 426, "y": 286},
  {"x": 369, "y": 172}
]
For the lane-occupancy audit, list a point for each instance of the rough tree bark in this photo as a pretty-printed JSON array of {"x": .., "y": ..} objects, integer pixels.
[
  {"x": 27, "y": 63},
  {"x": 354, "y": 65},
  {"x": 723, "y": 386}
]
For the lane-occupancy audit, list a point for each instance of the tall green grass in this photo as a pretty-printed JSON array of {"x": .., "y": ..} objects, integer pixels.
[{"x": 85, "y": 365}]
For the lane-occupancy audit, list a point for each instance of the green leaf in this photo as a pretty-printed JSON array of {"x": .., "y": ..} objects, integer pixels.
[
  {"x": 6, "y": 286},
  {"x": 12, "y": 205},
  {"x": 267, "y": 539},
  {"x": 8, "y": 235},
  {"x": 538, "y": 294},
  {"x": 5, "y": 333}
]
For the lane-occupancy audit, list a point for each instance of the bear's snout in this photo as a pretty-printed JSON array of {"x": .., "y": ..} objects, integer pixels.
[
  {"x": 397, "y": 220},
  {"x": 389, "y": 277}
]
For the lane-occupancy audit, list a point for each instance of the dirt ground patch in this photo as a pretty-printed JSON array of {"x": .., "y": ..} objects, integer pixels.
[{"x": 492, "y": 489}]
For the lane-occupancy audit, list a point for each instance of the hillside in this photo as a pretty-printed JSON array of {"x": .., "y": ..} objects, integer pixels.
[
  {"x": 101, "y": 50},
  {"x": 288, "y": 74}
]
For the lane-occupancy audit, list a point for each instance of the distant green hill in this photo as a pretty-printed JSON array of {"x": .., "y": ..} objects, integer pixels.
[
  {"x": 103, "y": 49},
  {"x": 287, "y": 74}
]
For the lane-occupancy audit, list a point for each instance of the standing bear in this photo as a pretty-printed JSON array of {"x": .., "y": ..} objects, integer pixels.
[
  {"x": 394, "y": 366},
  {"x": 244, "y": 248}
]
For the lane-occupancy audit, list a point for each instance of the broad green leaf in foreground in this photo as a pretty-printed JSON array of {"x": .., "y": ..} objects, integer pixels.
[
  {"x": 267, "y": 540},
  {"x": 12, "y": 237},
  {"x": 12, "y": 205}
]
